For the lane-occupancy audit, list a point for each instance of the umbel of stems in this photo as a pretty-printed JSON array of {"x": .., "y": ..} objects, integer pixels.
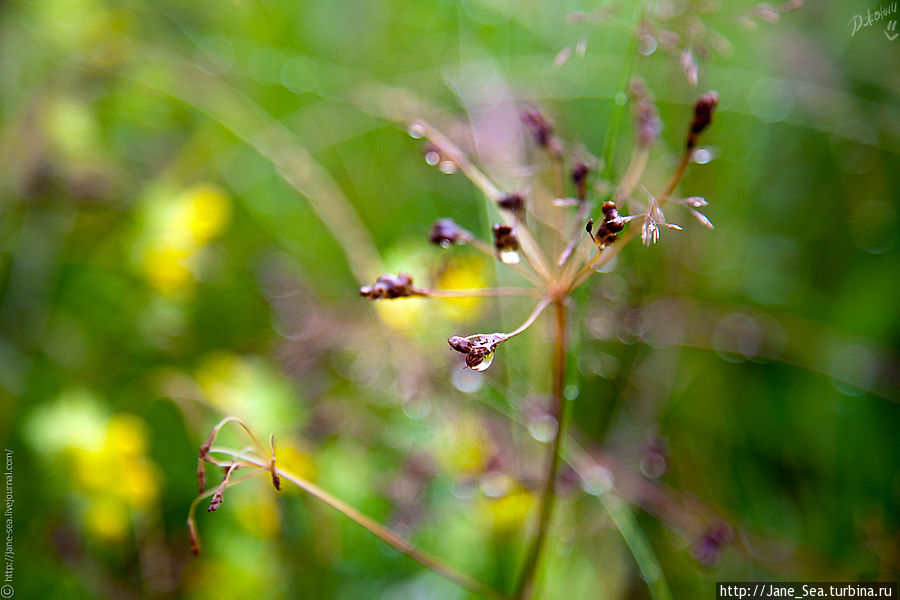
[{"x": 553, "y": 277}]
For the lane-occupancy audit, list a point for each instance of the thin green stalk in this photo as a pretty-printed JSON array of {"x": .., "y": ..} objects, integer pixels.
[
  {"x": 609, "y": 144},
  {"x": 525, "y": 587},
  {"x": 625, "y": 522}
]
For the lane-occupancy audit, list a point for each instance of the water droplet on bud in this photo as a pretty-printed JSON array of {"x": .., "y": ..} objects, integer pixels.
[
  {"x": 415, "y": 130},
  {"x": 485, "y": 363},
  {"x": 703, "y": 155},
  {"x": 509, "y": 257},
  {"x": 447, "y": 167}
]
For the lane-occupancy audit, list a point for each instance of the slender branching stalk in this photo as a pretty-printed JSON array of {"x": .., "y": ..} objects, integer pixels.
[{"x": 267, "y": 464}]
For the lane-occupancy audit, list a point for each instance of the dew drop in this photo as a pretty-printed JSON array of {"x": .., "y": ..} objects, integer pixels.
[
  {"x": 621, "y": 98},
  {"x": 648, "y": 45},
  {"x": 447, "y": 167},
  {"x": 542, "y": 428},
  {"x": 509, "y": 257},
  {"x": 495, "y": 484},
  {"x": 484, "y": 364},
  {"x": 596, "y": 480},
  {"x": 653, "y": 465},
  {"x": 702, "y": 156},
  {"x": 415, "y": 130},
  {"x": 432, "y": 158}
]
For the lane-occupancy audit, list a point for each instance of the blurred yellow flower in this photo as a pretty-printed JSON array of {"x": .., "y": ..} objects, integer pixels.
[
  {"x": 106, "y": 460},
  {"x": 107, "y": 517},
  {"x": 295, "y": 460},
  {"x": 206, "y": 211},
  {"x": 168, "y": 269},
  {"x": 463, "y": 273},
  {"x": 402, "y": 316},
  {"x": 257, "y": 509},
  {"x": 509, "y": 512},
  {"x": 251, "y": 387},
  {"x": 177, "y": 230},
  {"x": 462, "y": 446}
]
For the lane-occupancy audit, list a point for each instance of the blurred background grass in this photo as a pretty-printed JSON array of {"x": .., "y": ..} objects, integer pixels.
[{"x": 167, "y": 171}]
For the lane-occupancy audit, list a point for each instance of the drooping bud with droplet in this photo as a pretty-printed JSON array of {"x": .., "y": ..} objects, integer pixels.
[{"x": 479, "y": 348}]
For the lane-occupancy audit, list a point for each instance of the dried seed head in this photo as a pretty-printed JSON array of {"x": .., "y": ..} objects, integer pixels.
[
  {"x": 505, "y": 239},
  {"x": 580, "y": 172},
  {"x": 460, "y": 344},
  {"x": 703, "y": 112},
  {"x": 445, "y": 233},
  {"x": 479, "y": 348},
  {"x": 389, "y": 287},
  {"x": 513, "y": 202},
  {"x": 506, "y": 243},
  {"x": 276, "y": 480},
  {"x": 542, "y": 131},
  {"x": 608, "y": 230},
  {"x": 540, "y": 127},
  {"x": 646, "y": 117}
]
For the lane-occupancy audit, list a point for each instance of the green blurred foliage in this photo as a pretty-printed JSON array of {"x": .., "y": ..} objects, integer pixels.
[{"x": 175, "y": 247}]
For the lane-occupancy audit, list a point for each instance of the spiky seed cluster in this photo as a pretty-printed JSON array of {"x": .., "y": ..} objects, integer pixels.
[
  {"x": 703, "y": 112},
  {"x": 505, "y": 239},
  {"x": 388, "y": 287},
  {"x": 608, "y": 230},
  {"x": 445, "y": 233}
]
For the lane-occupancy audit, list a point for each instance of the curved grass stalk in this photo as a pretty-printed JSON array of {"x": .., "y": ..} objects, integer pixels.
[
  {"x": 251, "y": 124},
  {"x": 380, "y": 531}
]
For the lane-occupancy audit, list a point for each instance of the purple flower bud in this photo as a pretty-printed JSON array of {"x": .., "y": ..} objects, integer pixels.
[{"x": 445, "y": 233}]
